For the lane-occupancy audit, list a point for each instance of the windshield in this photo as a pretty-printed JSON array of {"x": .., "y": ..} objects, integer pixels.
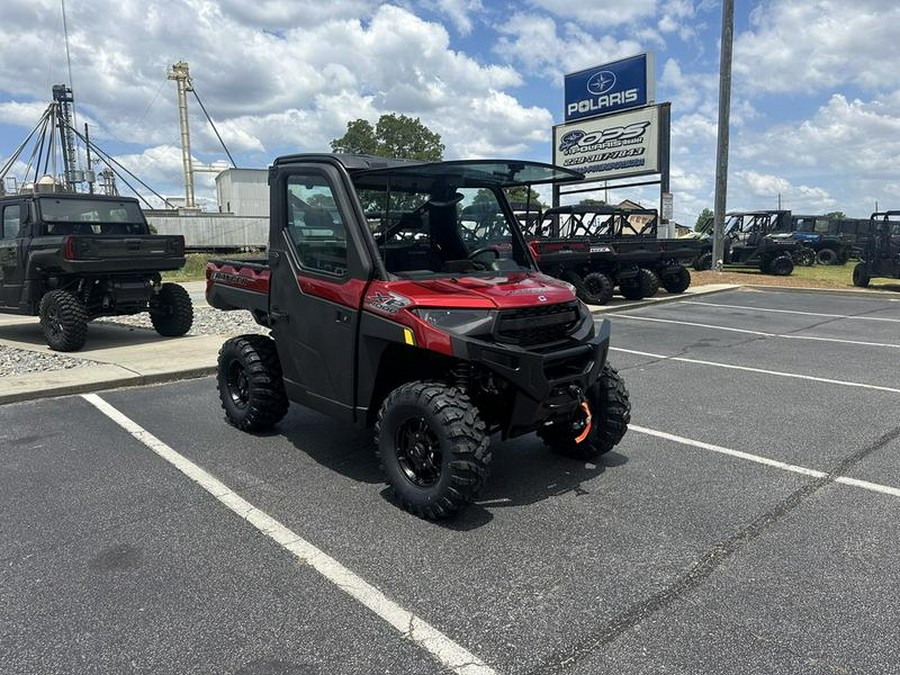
[
  {"x": 427, "y": 228},
  {"x": 91, "y": 216}
]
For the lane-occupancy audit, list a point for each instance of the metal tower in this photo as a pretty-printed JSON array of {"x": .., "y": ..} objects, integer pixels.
[
  {"x": 182, "y": 77},
  {"x": 62, "y": 96}
]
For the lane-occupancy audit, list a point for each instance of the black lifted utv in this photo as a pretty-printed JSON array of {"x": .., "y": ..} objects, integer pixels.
[
  {"x": 393, "y": 303},
  {"x": 72, "y": 257},
  {"x": 880, "y": 249},
  {"x": 750, "y": 241},
  {"x": 597, "y": 247}
]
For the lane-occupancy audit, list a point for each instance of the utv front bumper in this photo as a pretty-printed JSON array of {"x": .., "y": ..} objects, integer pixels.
[{"x": 539, "y": 385}]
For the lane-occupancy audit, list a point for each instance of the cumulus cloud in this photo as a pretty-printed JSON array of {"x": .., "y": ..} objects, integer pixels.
[
  {"x": 599, "y": 12},
  {"x": 280, "y": 76},
  {"x": 460, "y": 12},
  {"x": 806, "y": 46},
  {"x": 546, "y": 49}
]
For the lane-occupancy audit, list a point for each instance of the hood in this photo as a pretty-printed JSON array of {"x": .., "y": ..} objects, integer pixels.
[{"x": 515, "y": 289}]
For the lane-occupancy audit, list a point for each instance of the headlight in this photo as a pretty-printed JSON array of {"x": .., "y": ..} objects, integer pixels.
[{"x": 463, "y": 321}]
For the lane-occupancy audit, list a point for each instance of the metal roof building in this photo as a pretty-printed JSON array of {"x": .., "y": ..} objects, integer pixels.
[{"x": 243, "y": 192}]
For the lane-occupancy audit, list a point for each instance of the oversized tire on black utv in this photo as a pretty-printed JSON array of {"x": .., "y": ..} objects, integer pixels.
[
  {"x": 250, "y": 383},
  {"x": 64, "y": 320},
  {"x": 861, "y": 275},
  {"x": 599, "y": 428},
  {"x": 632, "y": 289},
  {"x": 781, "y": 266},
  {"x": 598, "y": 287},
  {"x": 827, "y": 256},
  {"x": 804, "y": 256},
  {"x": 171, "y": 311},
  {"x": 649, "y": 281},
  {"x": 677, "y": 280},
  {"x": 433, "y": 447}
]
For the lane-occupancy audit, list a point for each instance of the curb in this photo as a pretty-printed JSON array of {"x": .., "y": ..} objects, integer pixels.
[
  {"x": 861, "y": 293},
  {"x": 73, "y": 388},
  {"x": 671, "y": 297}
]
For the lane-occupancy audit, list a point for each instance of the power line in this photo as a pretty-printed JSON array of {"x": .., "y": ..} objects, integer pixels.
[{"x": 213, "y": 125}]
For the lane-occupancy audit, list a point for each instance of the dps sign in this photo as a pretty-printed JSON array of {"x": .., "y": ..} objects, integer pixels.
[
  {"x": 631, "y": 143},
  {"x": 609, "y": 88}
]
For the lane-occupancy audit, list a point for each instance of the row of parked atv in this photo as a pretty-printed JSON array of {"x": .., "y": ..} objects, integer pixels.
[
  {"x": 600, "y": 249},
  {"x": 752, "y": 237}
]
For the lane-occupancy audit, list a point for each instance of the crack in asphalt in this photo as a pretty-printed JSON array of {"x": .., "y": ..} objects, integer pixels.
[{"x": 560, "y": 660}]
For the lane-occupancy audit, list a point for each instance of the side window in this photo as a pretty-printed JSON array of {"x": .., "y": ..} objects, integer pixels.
[
  {"x": 315, "y": 225},
  {"x": 11, "y": 221}
]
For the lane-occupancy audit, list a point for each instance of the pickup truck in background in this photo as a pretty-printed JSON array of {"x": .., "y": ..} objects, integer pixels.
[{"x": 70, "y": 258}]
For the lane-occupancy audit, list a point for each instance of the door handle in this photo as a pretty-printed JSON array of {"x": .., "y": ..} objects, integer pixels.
[
  {"x": 278, "y": 316},
  {"x": 342, "y": 317}
]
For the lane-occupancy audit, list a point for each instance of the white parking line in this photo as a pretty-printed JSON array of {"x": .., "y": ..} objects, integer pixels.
[
  {"x": 790, "y": 311},
  {"x": 774, "y": 463},
  {"x": 762, "y": 371},
  {"x": 451, "y": 655},
  {"x": 757, "y": 332}
]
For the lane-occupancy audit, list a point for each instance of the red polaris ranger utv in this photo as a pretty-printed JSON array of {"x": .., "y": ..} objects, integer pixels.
[{"x": 391, "y": 306}]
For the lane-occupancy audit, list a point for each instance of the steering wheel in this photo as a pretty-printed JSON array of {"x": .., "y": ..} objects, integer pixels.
[{"x": 484, "y": 249}]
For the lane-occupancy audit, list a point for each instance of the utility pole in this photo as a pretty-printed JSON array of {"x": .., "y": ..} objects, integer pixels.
[
  {"x": 722, "y": 143},
  {"x": 179, "y": 72}
]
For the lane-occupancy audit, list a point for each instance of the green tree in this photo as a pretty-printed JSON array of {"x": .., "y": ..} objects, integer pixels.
[
  {"x": 704, "y": 221},
  {"x": 835, "y": 215},
  {"x": 592, "y": 202},
  {"x": 396, "y": 136},
  {"x": 521, "y": 194}
]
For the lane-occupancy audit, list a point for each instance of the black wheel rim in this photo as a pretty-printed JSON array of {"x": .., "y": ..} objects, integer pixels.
[
  {"x": 54, "y": 322},
  {"x": 238, "y": 384},
  {"x": 419, "y": 452},
  {"x": 594, "y": 286}
]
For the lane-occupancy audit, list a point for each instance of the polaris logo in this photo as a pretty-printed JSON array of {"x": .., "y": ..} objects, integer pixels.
[
  {"x": 602, "y": 102},
  {"x": 601, "y": 82}
]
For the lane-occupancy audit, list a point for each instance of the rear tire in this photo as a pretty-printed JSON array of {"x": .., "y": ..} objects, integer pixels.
[
  {"x": 631, "y": 288},
  {"x": 782, "y": 266},
  {"x": 171, "y": 311},
  {"x": 805, "y": 256},
  {"x": 827, "y": 256},
  {"x": 250, "y": 382},
  {"x": 649, "y": 281},
  {"x": 704, "y": 262},
  {"x": 610, "y": 411},
  {"x": 677, "y": 282},
  {"x": 433, "y": 447},
  {"x": 64, "y": 321},
  {"x": 860, "y": 276},
  {"x": 598, "y": 288}
]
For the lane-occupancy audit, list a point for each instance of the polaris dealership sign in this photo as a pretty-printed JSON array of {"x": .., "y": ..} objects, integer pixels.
[
  {"x": 609, "y": 88},
  {"x": 630, "y": 143}
]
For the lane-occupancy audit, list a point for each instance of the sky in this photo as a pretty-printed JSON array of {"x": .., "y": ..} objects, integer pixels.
[{"x": 815, "y": 107}]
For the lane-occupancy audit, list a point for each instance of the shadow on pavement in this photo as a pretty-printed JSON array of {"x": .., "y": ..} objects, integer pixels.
[
  {"x": 99, "y": 336},
  {"x": 523, "y": 471}
]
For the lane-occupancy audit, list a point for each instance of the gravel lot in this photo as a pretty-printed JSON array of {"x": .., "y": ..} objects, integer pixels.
[{"x": 207, "y": 321}]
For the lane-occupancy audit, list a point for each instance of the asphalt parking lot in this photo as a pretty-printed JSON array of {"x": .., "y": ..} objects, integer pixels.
[{"x": 747, "y": 522}]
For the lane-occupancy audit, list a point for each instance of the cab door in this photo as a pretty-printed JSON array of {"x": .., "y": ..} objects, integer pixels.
[
  {"x": 12, "y": 251},
  {"x": 319, "y": 272}
]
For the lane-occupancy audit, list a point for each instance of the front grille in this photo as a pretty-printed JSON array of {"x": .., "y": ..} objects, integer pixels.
[{"x": 540, "y": 325}]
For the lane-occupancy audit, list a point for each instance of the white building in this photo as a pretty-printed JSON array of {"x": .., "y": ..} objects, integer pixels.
[{"x": 243, "y": 192}]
